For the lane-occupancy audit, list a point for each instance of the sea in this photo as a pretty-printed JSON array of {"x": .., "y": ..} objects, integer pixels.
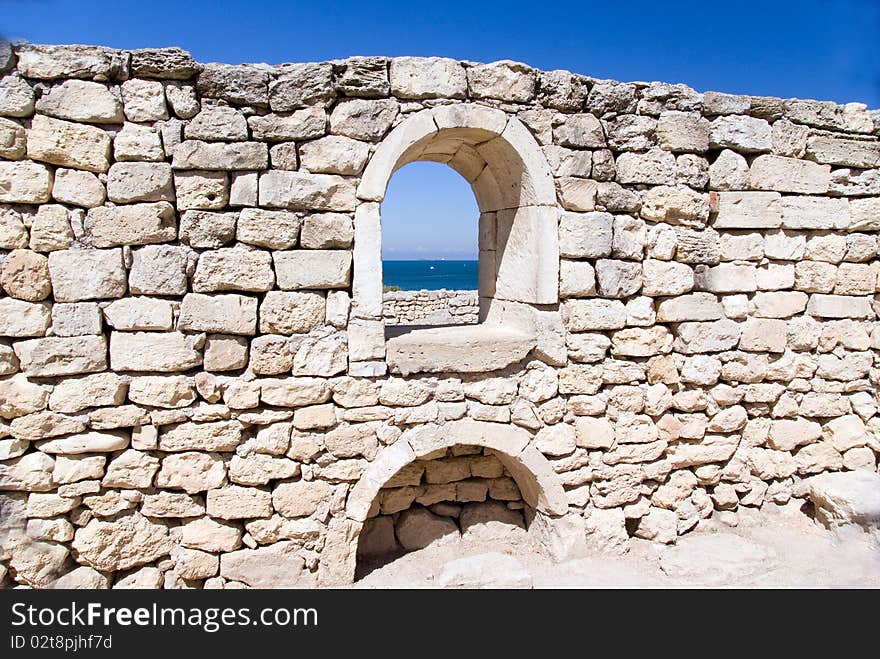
[{"x": 430, "y": 275}]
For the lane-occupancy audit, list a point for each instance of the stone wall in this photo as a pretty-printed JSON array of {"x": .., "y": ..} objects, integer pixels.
[
  {"x": 430, "y": 307},
  {"x": 678, "y": 294}
]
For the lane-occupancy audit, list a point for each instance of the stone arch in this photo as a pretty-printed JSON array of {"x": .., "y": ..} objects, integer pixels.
[
  {"x": 514, "y": 188},
  {"x": 538, "y": 483}
]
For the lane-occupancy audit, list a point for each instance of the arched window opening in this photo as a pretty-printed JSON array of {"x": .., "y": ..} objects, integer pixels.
[{"x": 430, "y": 224}]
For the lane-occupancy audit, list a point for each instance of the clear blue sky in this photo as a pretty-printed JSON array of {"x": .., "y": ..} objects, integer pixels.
[{"x": 811, "y": 49}]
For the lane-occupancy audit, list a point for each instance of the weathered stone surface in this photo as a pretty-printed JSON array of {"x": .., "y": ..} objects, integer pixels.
[
  {"x": 12, "y": 140},
  {"x": 52, "y": 357},
  {"x": 226, "y": 314},
  {"x": 676, "y": 206},
  {"x": 52, "y": 62},
  {"x": 127, "y": 542},
  {"x": 846, "y": 498},
  {"x": 746, "y": 134},
  {"x": 79, "y": 100},
  {"x": 313, "y": 269},
  {"x": 788, "y": 175},
  {"x": 587, "y": 315},
  {"x": 16, "y": 97},
  {"x": 234, "y": 270},
  {"x": 191, "y": 472},
  {"x": 159, "y": 270},
  {"x": 240, "y": 84},
  {"x": 25, "y": 276},
  {"x": 24, "y": 183},
  {"x": 504, "y": 80},
  {"x": 272, "y": 229},
  {"x": 92, "y": 274},
  {"x": 427, "y": 77},
  {"x": 276, "y": 566},
  {"x": 137, "y": 224},
  {"x": 196, "y": 154},
  {"x": 334, "y": 154},
  {"x": 165, "y": 352},
  {"x": 68, "y": 144},
  {"x": 302, "y": 190},
  {"x": 201, "y": 190},
  {"x": 31, "y": 472},
  {"x": 78, "y": 188}
]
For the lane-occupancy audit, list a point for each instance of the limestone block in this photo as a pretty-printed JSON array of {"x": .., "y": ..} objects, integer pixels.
[
  {"x": 284, "y": 312},
  {"x": 679, "y": 205},
  {"x": 165, "y": 63},
  {"x": 128, "y": 182},
  {"x": 788, "y": 434},
  {"x": 16, "y": 97},
  {"x": 362, "y": 119},
  {"x": 159, "y": 270},
  {"x": 294, "y": 392},
  {"x": 427, "y": 77},
  {"x": 629, "y": 238},
  {"x": 182, "y": 100},
  {"x": 197, "y": 154},
  {"x": 50, "y": 229},
  {"x": 308, "y": 123},
  {"x": 164, "y": 352},
  {"x": 504, "y": 80},
  {"x": 699, "y": 337},
  {"x": 272, "y": 229},
  {"x": 865, "y": 214},
  {"x": 782, "y": 174},
  {"x": 728, "y": 278},
  {"x": 236, "y": 502},
  {"x": 137, "y": 143},
  {"x": 763, "y": 335},
  {"x": 313, "y": 269},
  {"x": 57, "y": 356},
  {"x": 641, "y": 342},
  {"x": 683, "y": 131},
  {"x": 12, "y": 140},
  {"x": 839, "y": 306},
  {"x": 226, "y": 314},
  {"x": 300, "y": 85},
  {"x": 748, "y": 210},
  {"x": 740, "y": 132},
  {"x": 781, "y": 304},
  {"x": 53, "y": 62},
  {"x": 137, "y": 224},
  {"x": 239, "y": 84},
  {"x": 243, "y": 189},
  {"x": 80, "y": 100},
  {"x": 730, "y": 171},
  {"x": 653, "y": 167},
  {"x": 144, "y": 100},
  {"x": 25, "y": 275},
  {"x": 694, "y": 307},
  {"x": 31, "y": 472},
  {"x": 576, "y": 279},
  {"x": 127, "y": 542},
  {"x": 139, "y": 313},
  {"x": 234, "y": 269},
  {"x": 666, "y": 278},
  {"x": 78, "y": 188},
  {"x": 580, "y": 131},
  {"x": 20, "y": 397},
  {"x": 24, "y": 183},
  {"x": 334, "y": 154},
  {"x": 594, "y": 314},
  {"x": 218, "y": 123},
  {"x": 225, "y": 353},
  {"x": 846, "y": 498},
  {"x": 631, "y": 132},
  {"x": 90, "y": 274},
  {"x": 618, "y": 278},
  {"x": 68, "y": 144},
  {"x": 191, "y": 472},
  {"x": 87, "y": 442},
  {"x": 841, "y": 151},
  {"x": 13, "y": 234},
  {"x": 301, "y": 190},
  {"x": 76, "y": 394},
  {"x": 815, "y": 213}
]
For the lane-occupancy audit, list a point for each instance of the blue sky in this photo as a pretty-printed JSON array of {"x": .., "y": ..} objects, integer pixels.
[{"x": 811, "y": 49}]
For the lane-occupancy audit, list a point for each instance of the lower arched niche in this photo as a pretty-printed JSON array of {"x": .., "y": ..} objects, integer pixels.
[{"x": 528, "y": 497}]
